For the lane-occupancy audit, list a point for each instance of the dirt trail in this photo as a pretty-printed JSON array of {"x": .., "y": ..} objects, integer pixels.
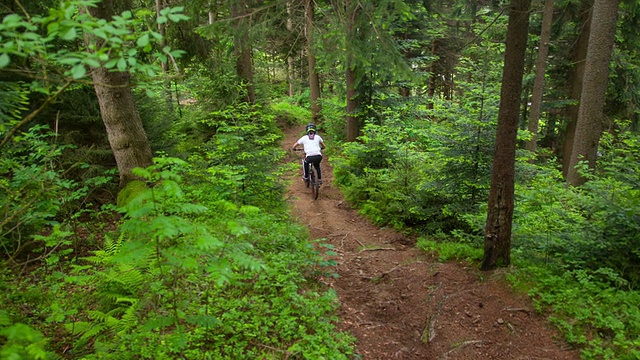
[{"x": 400, "y": 303}]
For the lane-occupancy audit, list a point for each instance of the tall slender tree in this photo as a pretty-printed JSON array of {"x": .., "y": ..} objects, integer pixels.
[
  {"x": 353, "y": 98},
  {"x": 497, "y": 240},
  {"x": 596, "y": 76},
  {"x": 162, "y": 30},
  {"x": 290, "y": 59},
  {"x": 538, "y": 82},
  {"x": 578, "y": 56},
  {"x": 314, "y": 81}
]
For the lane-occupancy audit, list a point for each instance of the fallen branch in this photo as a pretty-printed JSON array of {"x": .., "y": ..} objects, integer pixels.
[
  {"x": 429, "y": 331},
  {"x": 377, "y": 249},
  {"x": 527, "y": 311},
  {"x": 460, "y": 346}
]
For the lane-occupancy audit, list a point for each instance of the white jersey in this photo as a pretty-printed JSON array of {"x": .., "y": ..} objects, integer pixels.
[{"x": 311, "y": 147}]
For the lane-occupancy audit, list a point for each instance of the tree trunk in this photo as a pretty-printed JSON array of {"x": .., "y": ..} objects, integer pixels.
[
  {"x": 314, "y": 81},
  {"x": 433, "y": 69},
  {"x": 497, "y": 241},
  {"x": 166, "y": 82},
  {"x": 353, "y": 126},
  {"x": 242, "y": 48},
  {"x": 596, "y": 76},
  {"x": 122, "y": 121},
  {"x": 579, "y": 56},
  {"x": 290, "y": 61},
  {"x": 538, "y": 82}
]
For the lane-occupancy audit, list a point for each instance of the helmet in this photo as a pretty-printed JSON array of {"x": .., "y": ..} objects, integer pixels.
[{"x": 310, "y": 128}]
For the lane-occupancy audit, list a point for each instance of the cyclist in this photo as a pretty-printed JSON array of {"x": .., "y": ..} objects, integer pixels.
[{"x": 313, "y": 146}]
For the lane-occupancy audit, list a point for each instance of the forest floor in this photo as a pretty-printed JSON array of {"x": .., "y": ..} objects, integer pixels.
[{"x": 401, "y": 303}]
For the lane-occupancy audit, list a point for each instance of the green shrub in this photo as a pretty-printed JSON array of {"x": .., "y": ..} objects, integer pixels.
[
  {"x": 594, "y": 310},
  {"x": 216, "y": 281},
  {"x": 451, "y": 250},
  {"x": 290, "y": 114}
]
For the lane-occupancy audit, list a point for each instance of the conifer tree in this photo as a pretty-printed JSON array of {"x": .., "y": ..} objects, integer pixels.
[{"x": 596, "y": 77}]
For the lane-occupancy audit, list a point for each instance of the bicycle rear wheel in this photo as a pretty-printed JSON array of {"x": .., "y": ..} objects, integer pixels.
[{"x": 315, "y": 186}]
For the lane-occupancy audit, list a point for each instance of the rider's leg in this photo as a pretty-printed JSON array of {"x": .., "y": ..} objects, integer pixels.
[
  {"x": 315, "y": 160},
  {"x": 317, "y": 165},
  {"x": 305, "y": 167}
]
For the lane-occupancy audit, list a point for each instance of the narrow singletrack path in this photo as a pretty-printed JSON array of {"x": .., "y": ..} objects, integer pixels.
[{"x": 400, "y": 303}]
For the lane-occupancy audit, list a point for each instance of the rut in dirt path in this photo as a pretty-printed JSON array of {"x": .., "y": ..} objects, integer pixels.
[{"x": 400, "y": 303}]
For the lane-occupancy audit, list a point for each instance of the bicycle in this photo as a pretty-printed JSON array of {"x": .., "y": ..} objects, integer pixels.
[{"x": 312, "y": 180}]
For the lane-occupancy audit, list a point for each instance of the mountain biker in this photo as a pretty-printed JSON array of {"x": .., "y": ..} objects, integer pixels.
[{"x": 313, "y": 146}]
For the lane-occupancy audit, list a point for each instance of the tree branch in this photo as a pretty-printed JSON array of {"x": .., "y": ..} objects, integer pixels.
[{"x": 32, "y": 115}]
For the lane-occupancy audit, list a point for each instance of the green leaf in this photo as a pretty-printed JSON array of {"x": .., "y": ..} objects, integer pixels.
[
  {"x": 122, "y": 64},
  {"x": 143, "y": 40},
  {"x": 78, "y": 71},
  {"x": 237, "y": 229},
  {"x": 111, "y": 63},
  {"x": 69, "y": 34},
  {"x": 91, "y": 62},
  {"x": 31, "y": 36},
  {"x": 12, "y": 18},
  {"x": 4, "y": 60},
  {"x": 177, "y": 17}
]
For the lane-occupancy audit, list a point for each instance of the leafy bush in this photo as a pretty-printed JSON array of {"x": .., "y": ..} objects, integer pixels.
[
  {"x": 289, "y": 114},
  {"x": 591, "y": 227},
  {"x": 409, "y": 174},
  {"x": 35, "y": 196},
  {"x": 595, "y": 310}
]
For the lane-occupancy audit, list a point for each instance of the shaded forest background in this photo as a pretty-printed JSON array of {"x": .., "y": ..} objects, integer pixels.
[{"x": 141, "y": 192}]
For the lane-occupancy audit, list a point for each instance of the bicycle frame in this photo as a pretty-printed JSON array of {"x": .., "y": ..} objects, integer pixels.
[{"x": 313, "y": 179}]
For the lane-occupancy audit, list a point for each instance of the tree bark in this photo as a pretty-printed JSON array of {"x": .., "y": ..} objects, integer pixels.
[
  {"x": 596, "y": 76},
  {"x": 353, "y": 125},
  {"x": 433, "y": 76},
  {"x": 242, "y": 48},
  {"x": 538, "y": 82},
  {"x": 497, "y": 242},
  {"x": 579, "y": 56},
  {"x": 290, "y": 60},
  {"x": 162, "y": 30},
  {"x": 122, "y": 121},
  {"x": 314, "y": 81}
]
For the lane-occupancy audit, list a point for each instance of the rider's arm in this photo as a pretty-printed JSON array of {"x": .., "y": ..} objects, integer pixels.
[
  {"x": 322, "y": 146},
  {"x": 295, "y": 145}
]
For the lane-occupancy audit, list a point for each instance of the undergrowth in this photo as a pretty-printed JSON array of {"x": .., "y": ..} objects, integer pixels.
[
  {"x": 576, "y": 248},
  {"x": 201, "y": 262}
]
